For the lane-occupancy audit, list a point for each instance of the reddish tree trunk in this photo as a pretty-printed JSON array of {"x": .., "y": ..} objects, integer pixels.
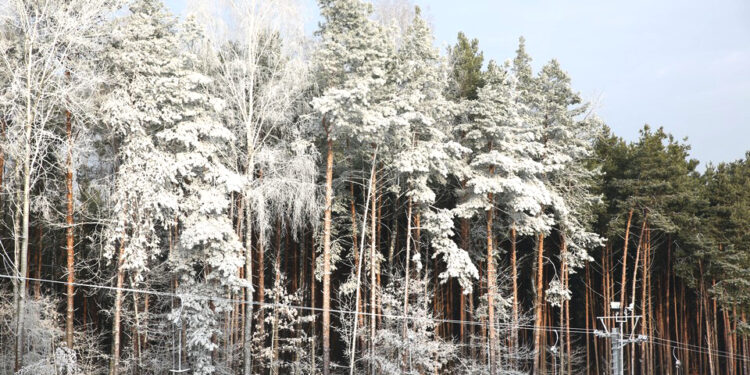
[
  {"x": 625, "y": 259},
  {"x": 2, "y": 158},
  {"x": 69, "y": 232},
  {"x": 355, "y": 248},
  {"x": 514, "y": 281},
  {"x": 327, "y": 254},
  {"x": 491, "y": 288},
  {"x": 115, "y": 362},
  {"x": 538, "y": 305}
]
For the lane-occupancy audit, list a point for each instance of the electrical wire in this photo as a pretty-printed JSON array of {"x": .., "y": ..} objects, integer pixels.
[{"x": 549, "y": 329}]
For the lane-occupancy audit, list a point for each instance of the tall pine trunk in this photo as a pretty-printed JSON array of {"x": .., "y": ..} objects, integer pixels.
[
  {"x": 69, "y": 232},
  {"x": 706, "y": 307},
  {"x": 373, "y": 264},
  {"x": 491, "y": 288},
  {"x": 407, "y": 277},
  {"x": 465, "y": 243},
  {"x": 514, "y": 281},
  {"x": 538, "y": 305},
  {"x": 2, "y": 159},
  {"x": 247, "y": 346},
  {"x": 115, "y": 361},
  {"x": 353, "y": 213},
  {"x": 566, "y": 305},
  {"x": 668, "y": 290},
  {"x": 313, "y": 259},
  {"x": 625, "y": 259},
  {"x": 277, "y": 288},
  {"x": 327, "y": 254}
]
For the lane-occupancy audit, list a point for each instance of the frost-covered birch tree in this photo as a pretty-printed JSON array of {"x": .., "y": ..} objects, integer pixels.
[
  {"x": 256, "y": 56},
  {"x": 40, "y": 44}
]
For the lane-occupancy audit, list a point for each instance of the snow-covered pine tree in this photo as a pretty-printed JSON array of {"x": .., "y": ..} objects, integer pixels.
[
  {"x": 569, "y": 135},
  {"x": 504, "y": 174},
  {"x": 208, "y": 254},
  {"x": 351, "y": 63},
  {"x": 143, "y": 63},
  {"x": 425, "y": 154}
]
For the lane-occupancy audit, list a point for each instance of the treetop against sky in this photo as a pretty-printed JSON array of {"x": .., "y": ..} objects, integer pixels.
[{"x": 684, "y": 65}]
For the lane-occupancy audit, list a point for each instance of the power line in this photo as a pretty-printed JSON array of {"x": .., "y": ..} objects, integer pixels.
[{"x": 576, "y": 330}]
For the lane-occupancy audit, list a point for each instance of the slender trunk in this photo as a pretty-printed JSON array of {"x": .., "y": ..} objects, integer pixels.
[
  {"x": 586, "y": 315},
  {"x": 313, "y": 354},
  {"x": 538, "y": 305},
  {"x": 418, "y": 239},
  {"x": 649, "y": 307},
  {"x": 327, "y": 254},
  {"x": 359, "y": 273},
  {"x": 17, "y": 249},
  {"x": 609, "y": 290},
  {"x": 69, "y": 231},
  {"x": 144, "y": 337},
  {"x": 625, "y": 259},
  {"x": 2, "y": 159},
  {"x": 735, "y": 341},
  {"x": 379, "y": 236},
  {"x": 684, "y": 320},
  {"x": 483, "y": 319},
  {"x": 563, "y": 339},
  {"x": 746, "y": 349},
  {"x": 115, "y": 362},
  {"x": 394, "y": 234},
  {"x": 136, "y": 331},
  {"x": 355, "y": 247},
  {"x": 436, "y": 301},
  {"x": 407, "y": 277},
  {"x": 40, "y": 247},
  {"x": 714, "y": 344},
  {"x": 260, "y": 325},
  {"x": 472, "y": 330},
  {"x": 644, "y": 292},
  {"x": 247, "y": 346},
  {"x": 728, "y": 342},
  {"x": 491, "y": 287},
  {"x": 566, "y": 275},
  {"x": 276, "y": 301},
  {"x": 25, "y": 216},
  {"x": 300, "y": 266},
  {"x": 709, "y": 324},
  {"x": 373, "y": 263},
  {"x": 635, "y": 278},
  {"x": 667, "y": 290},
  {"x": 514, "y": 281},
  {"x": 465, "y": 244}
]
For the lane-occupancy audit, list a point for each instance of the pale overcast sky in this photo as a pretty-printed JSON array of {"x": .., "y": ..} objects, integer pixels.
[{"x": 681, "y": 64}]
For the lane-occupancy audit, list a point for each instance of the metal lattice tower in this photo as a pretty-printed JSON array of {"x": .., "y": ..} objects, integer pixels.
[{"x": 614, "y": 329}]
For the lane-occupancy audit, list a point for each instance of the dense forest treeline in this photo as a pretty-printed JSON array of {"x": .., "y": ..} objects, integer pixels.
[{"x": 222, "y": 195}]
